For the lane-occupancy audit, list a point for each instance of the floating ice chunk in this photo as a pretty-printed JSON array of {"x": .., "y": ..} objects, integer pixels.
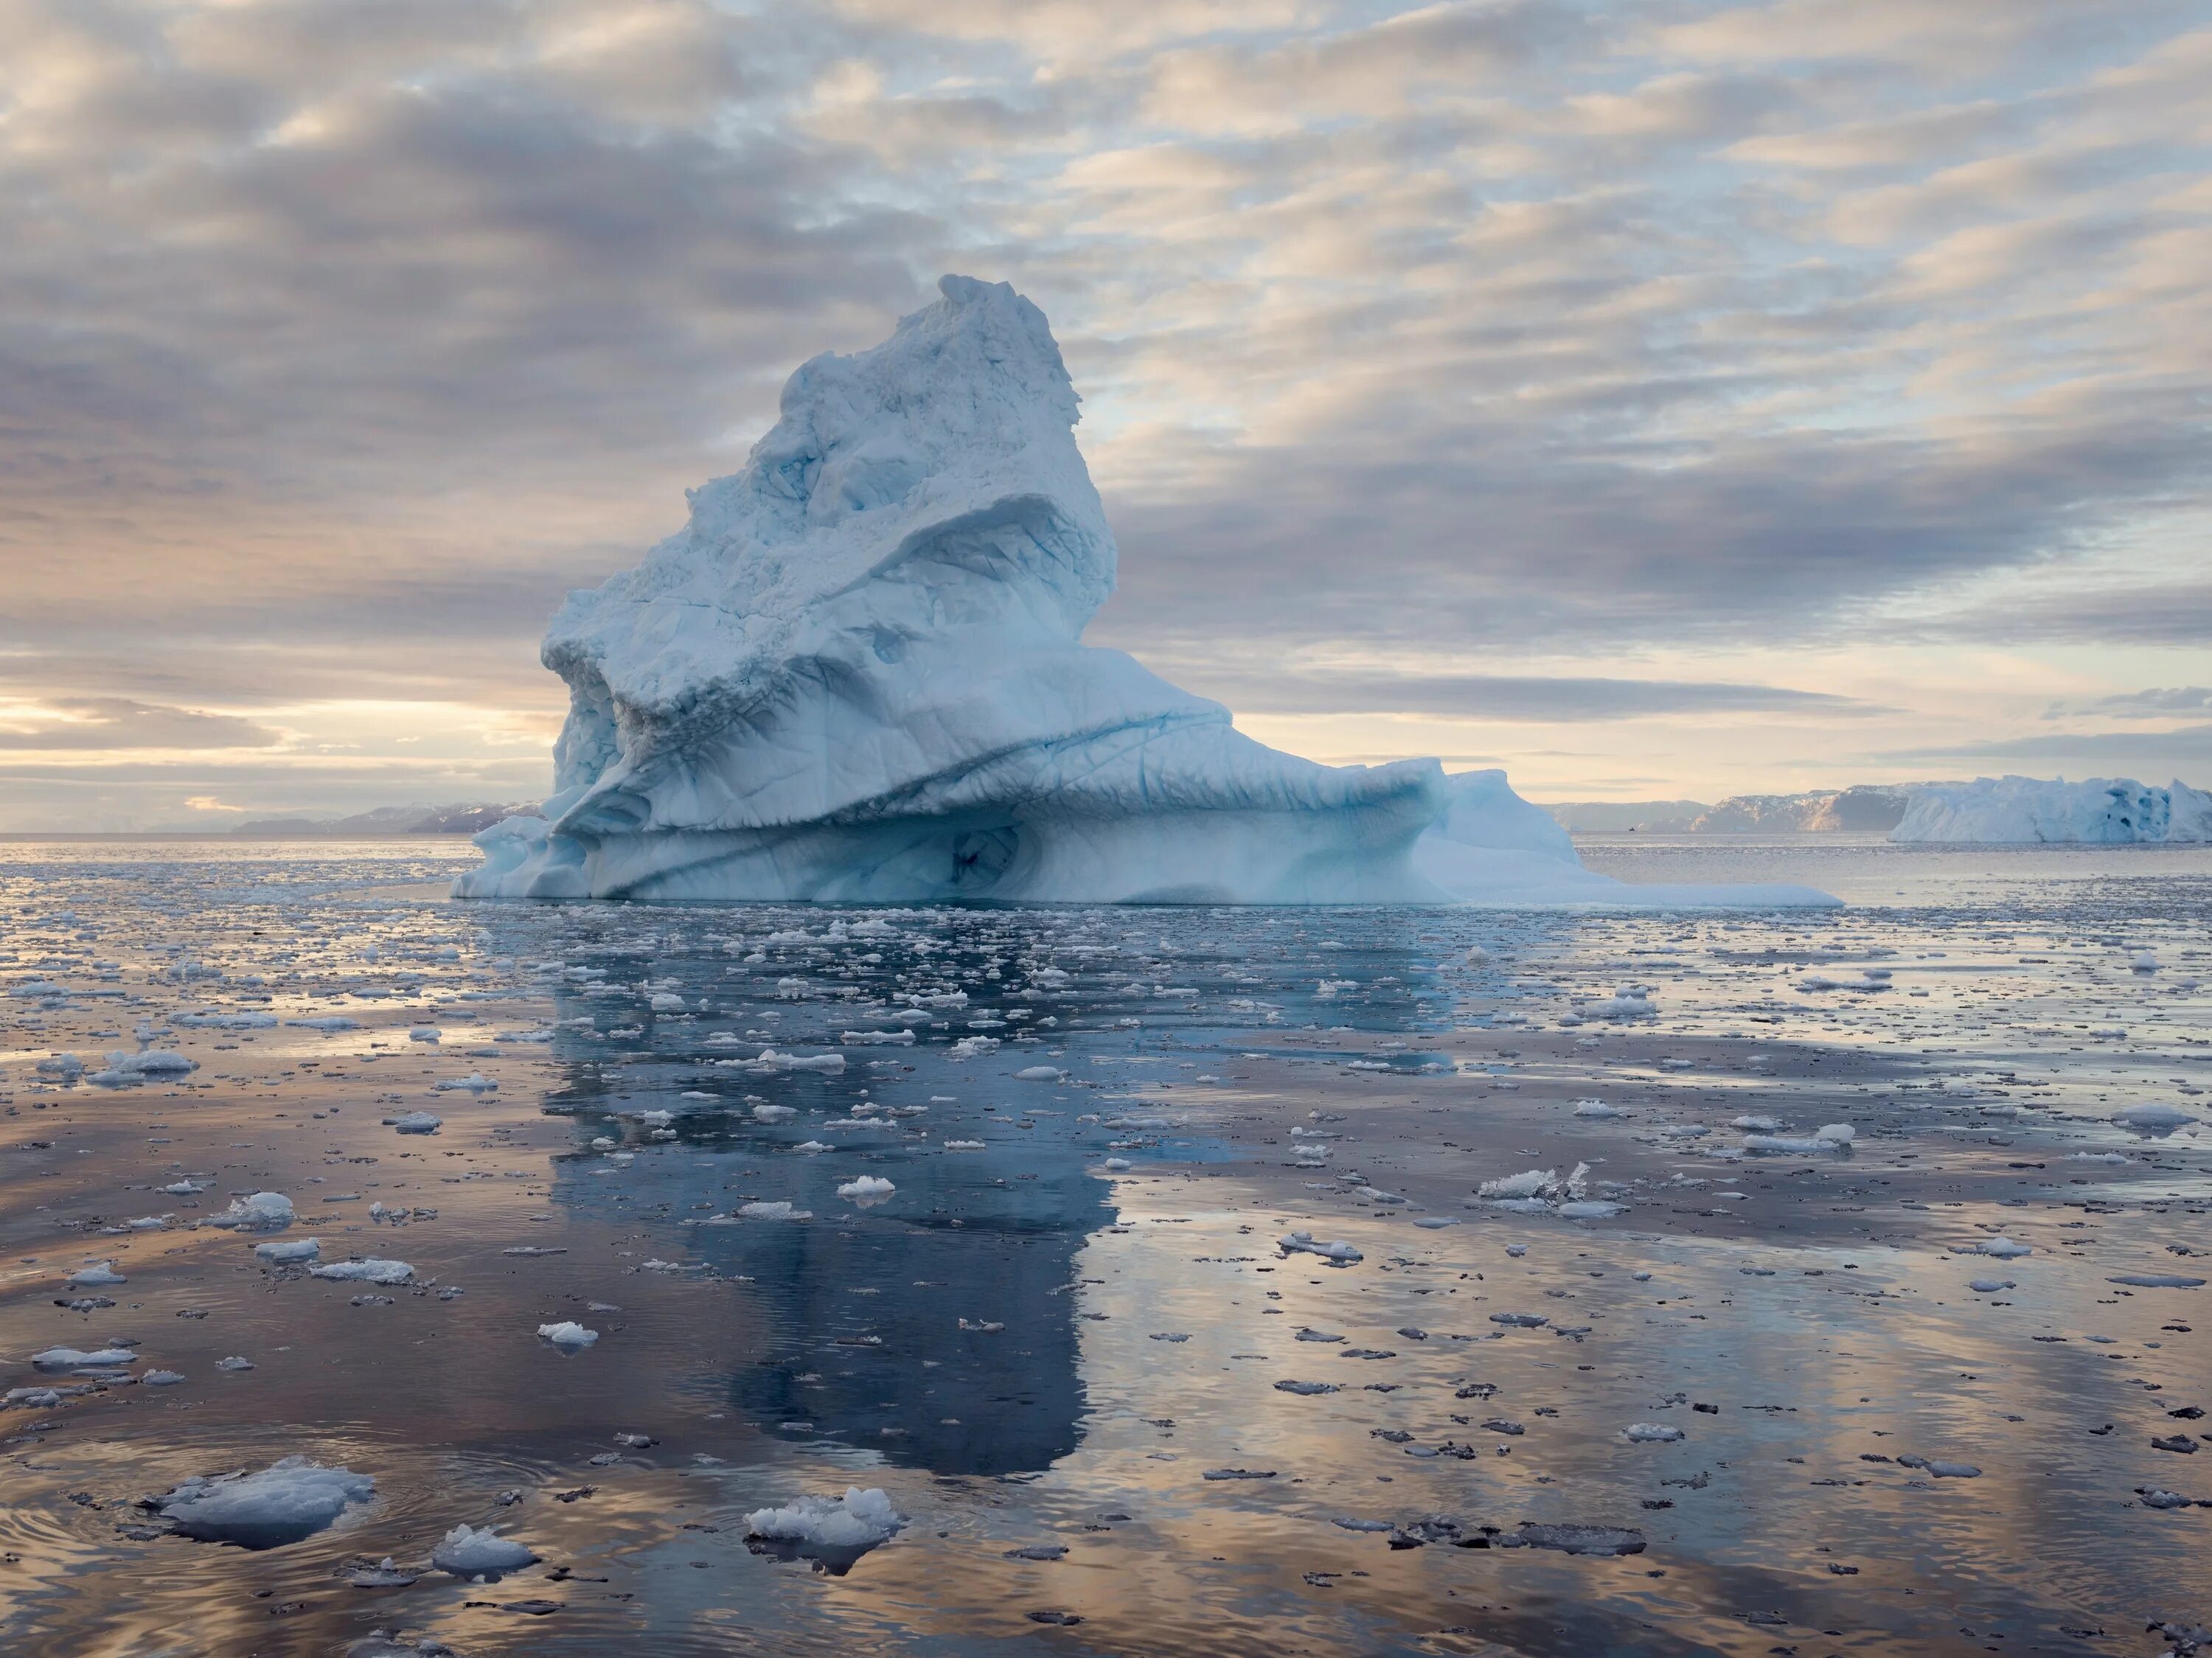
[
  {"x": 1039, "y": 1073},
  {"x": 233, "y": 1363},
  {"x": 1574, "y": 1539},
  {"x": 1435, "y": 1223},
  {"x": 1836, "y": 1134},
  {"x": 285, "y": 1502},
  {"x": 2002, "y": 1248},
  {"x": 780, "y": 1209},
  {"x": 835, "y": 1530},
  {"x": 325, "y": 1022},
  {"x": 96, "y": 1275},
  {"x": 1588, "y": 1209},
  {"x": 1533, "y": 1183},
  {"x": 667, "y": 1002},
  {"x": 1626, "y": 1005},
  {"x": 262, "y": 1212},
  {"x": 287, "y": 1251},
  {"x": 1652, "y": 1433},
  {"x": 1797, "y": 1145},
  {"x": 383, "y": 1575},
  {"x": 1594, "y": 1109},
  {"x": 1306, "y": 1387},
  {"x": 569, "y": 1335},
  {"x": 479, "y": 1551},
  {"x": 1337, "y": 1252},
  {"x": 2152, "y": 1118},
  {"x": 416, "y": 1122},
  {"x": 773, "y": 1113},
  {"x": 867, "y": 1186},
  {"x": 2157, "y": 1281},
  {"x": 68, "y": 1066},
  {"x": 162, "y": 1378},
  {"x": 877, "y": 1038},
  {"x": 973, "y": 1146},
  {"x": 474, "y": 1083},
  {"x": 1116, "y": 1165},
  {"x": 813, "y": 1147},
  {"x": 366, "y": 1272},
  {"x": 74, "y": 1358},
  {"x": 1758, "y": 1124},
  {"x": 424, "y": 1033},
  {"x": 1990, "y": 1286}
]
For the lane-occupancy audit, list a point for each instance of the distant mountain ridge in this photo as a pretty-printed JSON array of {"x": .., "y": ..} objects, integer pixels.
[
  {"x": 460, "y": 818},
  {"x": 1865, "y": 807}
]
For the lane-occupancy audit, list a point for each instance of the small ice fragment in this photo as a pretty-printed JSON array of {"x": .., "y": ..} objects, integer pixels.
[
  {"x": 2157, "y": 1281},
  {"x": 284, "y": 1252},
  {"x": 1342, "y": 1253},
  {"x": 1038, "y": 1073},
  {"x": 836, "y": 1530},
  {"x": 1652, "y": 1433},
  {"x": 96, "y": 1274},
  {"x": 778, "y": 1210},
  {"x": 567, "y": 1335},
  {"x": 365, "y": 1272},
  {"x": 264, "y": 1212},
  {"x": 867, "y": 1186},
  {"x": 288, "y": 1500},
  {"x": 416, "y": 1122},
  {"x": 479, "y": 1551},
  {"x": 73, "y": 1359},
  {"x": 2003, "y": 1248},
  {"x": 2152, "y": 1118}
]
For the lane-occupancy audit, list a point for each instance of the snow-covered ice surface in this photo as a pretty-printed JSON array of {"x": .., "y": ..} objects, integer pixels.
[
  {"x": 1253, "y": 1151},
  {"x": 2095, "y": 810},
  {"x": 856, "y": 675}
]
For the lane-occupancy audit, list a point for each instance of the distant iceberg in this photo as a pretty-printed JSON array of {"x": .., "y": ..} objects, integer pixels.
[
  {"x": 2098, "y": 811},
  {"x": 856, "y": 675}
]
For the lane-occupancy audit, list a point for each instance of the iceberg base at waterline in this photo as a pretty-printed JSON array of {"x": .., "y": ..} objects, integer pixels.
[{"x": 857, "y": 676}]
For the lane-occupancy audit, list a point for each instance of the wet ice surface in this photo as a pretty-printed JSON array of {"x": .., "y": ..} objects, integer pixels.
[{"x": 1934, "y": 1385}]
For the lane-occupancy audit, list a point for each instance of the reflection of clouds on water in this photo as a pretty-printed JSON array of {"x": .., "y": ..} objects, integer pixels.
[{"x": 876, "y": 1326}]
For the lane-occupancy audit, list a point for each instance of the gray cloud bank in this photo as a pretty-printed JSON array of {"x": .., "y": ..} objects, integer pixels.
[{"x": 340, "y": 337}]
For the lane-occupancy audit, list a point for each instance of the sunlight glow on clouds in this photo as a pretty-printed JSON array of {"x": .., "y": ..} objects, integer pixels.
[{"x": 1445, "y": 366}]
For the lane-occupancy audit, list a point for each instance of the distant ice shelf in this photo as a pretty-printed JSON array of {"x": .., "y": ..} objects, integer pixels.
[
  {"x": 857, "y": 675},
  {"x": 2097, "y": 812}
]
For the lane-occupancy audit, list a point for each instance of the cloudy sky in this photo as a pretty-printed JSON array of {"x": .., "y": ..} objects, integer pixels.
[{"x": 1660, "y": 398}]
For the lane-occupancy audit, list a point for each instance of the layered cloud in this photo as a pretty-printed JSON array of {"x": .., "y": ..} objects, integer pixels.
[{"x": 1693, "y": 363}]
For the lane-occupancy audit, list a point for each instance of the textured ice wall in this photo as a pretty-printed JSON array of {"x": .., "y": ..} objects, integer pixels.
[
  {"x": 2099, "y": 810},
  {"x": 856, "y": 674}
]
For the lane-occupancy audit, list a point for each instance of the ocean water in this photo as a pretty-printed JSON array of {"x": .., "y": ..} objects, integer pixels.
[{"x": 1690, "y": 1392}]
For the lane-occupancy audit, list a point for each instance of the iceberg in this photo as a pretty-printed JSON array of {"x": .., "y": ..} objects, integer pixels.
[
  {"x": 2097, "y": 812},
  {"x": 857, "y": 675}
]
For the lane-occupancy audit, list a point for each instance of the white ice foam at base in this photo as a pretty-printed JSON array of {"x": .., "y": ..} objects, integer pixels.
[
  {"x": 856, "y": 675},
  {"x": 2098, "y": 810}
]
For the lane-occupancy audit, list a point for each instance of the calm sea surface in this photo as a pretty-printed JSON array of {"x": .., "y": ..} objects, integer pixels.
[{"x": 1699, "y": 1380}]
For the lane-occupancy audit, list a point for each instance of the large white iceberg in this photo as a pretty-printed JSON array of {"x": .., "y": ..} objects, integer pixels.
[
  {"x": 2099, "y": 810},
  {"x": 857, "y": 675}
]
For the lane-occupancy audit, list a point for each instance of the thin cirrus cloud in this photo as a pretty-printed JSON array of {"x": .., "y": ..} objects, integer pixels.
[
  {"x": 340, "y": 338},
  {"x": 1532, "y": 699},
  {"x": 84, "y": 723}
]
